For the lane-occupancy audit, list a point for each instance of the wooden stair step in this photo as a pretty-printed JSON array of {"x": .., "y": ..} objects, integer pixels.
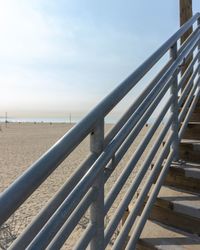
[
  {"x": 192, "y": 131},
  {"x": 179, "y": 201},
  {"x": 195, "y": 117},
  {"x": 190, "y": 150},
  {"x": 178, "y": 208},
  {"x": 198, "y": 103},
  {"x": 184, "y": 175},
  {"x": 156, "y": 235}
]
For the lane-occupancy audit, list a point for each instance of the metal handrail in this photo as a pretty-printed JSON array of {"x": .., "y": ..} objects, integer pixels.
[{"x": 84, "y": 189}]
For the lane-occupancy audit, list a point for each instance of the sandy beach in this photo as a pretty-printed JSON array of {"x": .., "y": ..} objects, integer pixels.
[{"x": 23, "y": 143}]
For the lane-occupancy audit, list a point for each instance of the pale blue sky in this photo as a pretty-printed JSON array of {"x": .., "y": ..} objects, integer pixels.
[{"x": 64, "y": 56}]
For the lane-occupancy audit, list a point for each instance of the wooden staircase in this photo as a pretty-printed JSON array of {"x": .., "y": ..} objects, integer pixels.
[{"x": 174, "y": 222}]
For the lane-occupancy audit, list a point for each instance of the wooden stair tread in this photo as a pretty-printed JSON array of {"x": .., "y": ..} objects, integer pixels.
[
  {"x": 177, "y": 208},
  {"x": 192, "y": 172},
  {"x": 184, "y": 164},
  {"x": 180, "y": 201},
  {"x": 188, "y": 169},
  {"x": 193, "y": 123},
  {"x": 192, "y": 131},
  {"x": 158, "y": 236},
  {"x": 189, "y": 150},
  {"x": 190, "y": 141},
  {"x": 184, "y": 175}
]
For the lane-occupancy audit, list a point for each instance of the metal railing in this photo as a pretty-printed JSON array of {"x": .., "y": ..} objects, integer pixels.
[{"x": 85, "y": 188}]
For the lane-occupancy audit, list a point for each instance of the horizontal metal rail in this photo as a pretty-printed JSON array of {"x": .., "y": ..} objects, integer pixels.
[
  {"x": 86, "y": 238},
  {"x": 32, "y": 230},
  {"x": 84, "y": 190},
  {"x": 73, "y": 220}
]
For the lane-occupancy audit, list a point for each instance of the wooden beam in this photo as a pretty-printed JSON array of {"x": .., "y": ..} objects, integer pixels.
[
  {"x": 185, "y": 7},
  {"x": 185, "y": 15}
]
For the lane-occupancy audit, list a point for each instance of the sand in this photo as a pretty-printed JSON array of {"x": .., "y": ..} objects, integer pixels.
[{"x": 23, "y": 143}]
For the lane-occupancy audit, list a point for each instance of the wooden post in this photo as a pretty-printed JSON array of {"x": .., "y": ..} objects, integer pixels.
[{"x": 185, "y": 15}]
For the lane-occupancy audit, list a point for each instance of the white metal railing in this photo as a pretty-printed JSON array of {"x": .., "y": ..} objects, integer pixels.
[{"x": 85, "y": 188}]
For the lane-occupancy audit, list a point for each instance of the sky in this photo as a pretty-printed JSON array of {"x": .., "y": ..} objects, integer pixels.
[{"x": 60, "y": 57}]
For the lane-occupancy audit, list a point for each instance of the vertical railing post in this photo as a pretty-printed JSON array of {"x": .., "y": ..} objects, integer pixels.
[
  {"x": 174, "y": 106},
  {"x": 97, "y": 207}
]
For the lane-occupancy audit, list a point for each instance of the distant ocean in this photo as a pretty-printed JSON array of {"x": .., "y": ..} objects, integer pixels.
[{"x": 74, "y": 119}]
